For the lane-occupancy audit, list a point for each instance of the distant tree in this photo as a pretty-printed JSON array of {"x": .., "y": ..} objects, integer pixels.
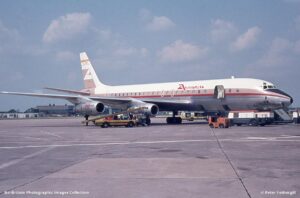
[{"x": 32, "y": 110}]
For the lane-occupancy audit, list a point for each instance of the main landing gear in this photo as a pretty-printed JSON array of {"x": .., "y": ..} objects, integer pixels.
[
  {"x": 148, "y": 120},
  {"x": 173, "y": 119}
]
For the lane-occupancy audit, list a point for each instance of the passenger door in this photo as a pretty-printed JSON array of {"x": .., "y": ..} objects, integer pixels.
[{"x": 219, "y": 92}]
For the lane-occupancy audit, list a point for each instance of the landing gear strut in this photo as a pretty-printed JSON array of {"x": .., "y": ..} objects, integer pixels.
[
  {"x": 86, "y": 119},
  {"x": 173, "y": 119},
  {"x": 148, "y": 120}
]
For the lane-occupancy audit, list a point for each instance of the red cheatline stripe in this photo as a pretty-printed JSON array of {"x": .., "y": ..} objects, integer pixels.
[{"x": 187, "y": 95}]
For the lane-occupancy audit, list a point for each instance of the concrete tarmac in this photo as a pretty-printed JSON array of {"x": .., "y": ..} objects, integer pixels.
[{"x": 63, "y": 158}]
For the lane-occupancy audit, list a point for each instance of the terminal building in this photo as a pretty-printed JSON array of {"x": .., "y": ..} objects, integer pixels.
[
  {"x": 50, "y": 110},
  {"x": 53, "y": 110}
]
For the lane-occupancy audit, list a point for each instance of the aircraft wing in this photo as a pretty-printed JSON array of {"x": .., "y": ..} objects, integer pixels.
[
  {"x": 73, "y": 99},
  {"x": 164, "y": 105}
]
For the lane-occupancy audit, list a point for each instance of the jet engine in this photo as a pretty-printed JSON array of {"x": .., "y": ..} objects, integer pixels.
[
  {"x": 90, "y": 108},
  {"x": 145, "y": 108}
]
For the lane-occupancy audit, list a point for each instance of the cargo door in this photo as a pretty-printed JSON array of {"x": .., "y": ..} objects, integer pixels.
[{"x": 219, "y": 92}]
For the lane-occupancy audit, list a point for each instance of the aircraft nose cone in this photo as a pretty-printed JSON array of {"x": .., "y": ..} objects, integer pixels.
[{"x": 291, "y": 100}]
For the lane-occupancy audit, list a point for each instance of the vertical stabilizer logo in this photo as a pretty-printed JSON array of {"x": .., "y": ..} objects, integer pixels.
[{"x": 88, "y": 75}]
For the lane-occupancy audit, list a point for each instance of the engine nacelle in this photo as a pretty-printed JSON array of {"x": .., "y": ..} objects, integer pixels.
[
  {"x": 90, "y": 108},
  {"x": 147, "y": 108}
]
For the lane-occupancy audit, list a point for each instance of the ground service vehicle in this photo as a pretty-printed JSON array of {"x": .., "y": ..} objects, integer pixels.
[
  {"x": 191, "y": 116},
  {"x": 296, "y": 117},
  {"x": 117, "y": 120},
  {"x": 218, "y": 122},
  {"x": 252, "y": 118}
]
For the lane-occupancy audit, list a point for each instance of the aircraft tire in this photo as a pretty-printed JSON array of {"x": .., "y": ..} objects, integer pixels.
[
  {"x": 130, "y": 124},
  {"x": 253, "y": 122},
  {"x": 105, "y": 125},
  {"x": 178, "y": 120},
  {"x": 168, "y": 120}
]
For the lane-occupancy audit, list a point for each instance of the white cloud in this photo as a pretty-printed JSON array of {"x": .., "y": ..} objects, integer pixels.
[
  {"x": 6, "y": 32},
  {"x": 145, "y": 51},
  {"x": 125, "y": 51},
  {"x": 130, "y": 51},
  {"x": 278, "y": 54},
  {"x": 160, "y": 23},
  {"x": 65, "y": 56},
  {"x": 279, "y": 60},
  {"x": 180, "y": 52},
  {"x": 247, "y": 39},
  {"x": 10, "y": 39},
  {"x": 105, "y": 34},
  {"x": 66, "y": 27},
  {"x": 222, "y": 30}
]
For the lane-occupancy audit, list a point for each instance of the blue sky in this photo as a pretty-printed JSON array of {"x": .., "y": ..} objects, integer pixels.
[{"x": 146, "y": 41}]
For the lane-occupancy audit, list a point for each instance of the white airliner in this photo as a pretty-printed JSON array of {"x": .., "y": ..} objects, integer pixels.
[{"x": 207, "y": 95}]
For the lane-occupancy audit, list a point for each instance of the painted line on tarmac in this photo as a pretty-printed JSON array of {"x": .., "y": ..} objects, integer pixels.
[
  {"x": 16, "y": 161},
  {"x": 273, "y": 138},
  {"x": 51, "y": 134},
  {"x": 147, "y": 142}
]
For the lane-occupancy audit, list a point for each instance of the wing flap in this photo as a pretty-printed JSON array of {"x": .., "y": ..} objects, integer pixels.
[{"x": 68, "y": 91}]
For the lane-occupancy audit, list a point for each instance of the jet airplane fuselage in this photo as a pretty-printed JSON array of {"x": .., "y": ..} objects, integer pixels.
[{"x": 237, "y": 94}]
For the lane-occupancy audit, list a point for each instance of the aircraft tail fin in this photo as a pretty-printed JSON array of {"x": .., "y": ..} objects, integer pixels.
[{"x": 90, "y": 78}]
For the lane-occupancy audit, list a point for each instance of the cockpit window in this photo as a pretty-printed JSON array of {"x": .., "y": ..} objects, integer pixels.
[{"x": 265, "y": 86}]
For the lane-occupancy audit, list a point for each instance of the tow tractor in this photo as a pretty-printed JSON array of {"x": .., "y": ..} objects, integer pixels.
[
  {"x": 124, "y": 118},
  {"x": 218, "y": 122}
]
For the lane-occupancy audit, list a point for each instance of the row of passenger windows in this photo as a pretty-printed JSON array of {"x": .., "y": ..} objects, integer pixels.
[{"x": 172, "y": 93}]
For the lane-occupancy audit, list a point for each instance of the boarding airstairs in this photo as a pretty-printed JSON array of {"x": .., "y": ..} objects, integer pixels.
[{"x": 283, "y": 115}]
